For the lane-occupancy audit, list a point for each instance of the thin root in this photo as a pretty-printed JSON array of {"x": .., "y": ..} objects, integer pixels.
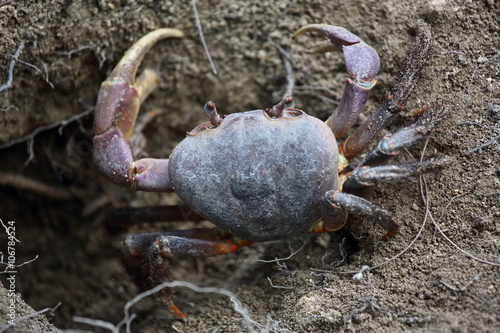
[
  {"x": 3, "y": 328},
  {"x": 467, "y": 285},
  {"x": 238, "y": 307},
  {"x": 32, "y": 185},
  {"x": 287, "y": 63},
  {"x": 10, "y": 77},
  {"x": 30, "y": 138},
  {"x": 200, "y": 31}
]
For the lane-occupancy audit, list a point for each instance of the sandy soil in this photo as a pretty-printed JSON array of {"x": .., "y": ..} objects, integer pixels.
[{"x": 445, "y": 281}]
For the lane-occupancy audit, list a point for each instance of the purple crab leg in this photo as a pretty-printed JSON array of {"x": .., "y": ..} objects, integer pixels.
[
  {"x": 118, "y": 104},
  {"x": 427, "y": 119},
  {"x": 362, "y": 64},
  {"x": 404, "y": 84},
  {"x": 373, "y": 168}
]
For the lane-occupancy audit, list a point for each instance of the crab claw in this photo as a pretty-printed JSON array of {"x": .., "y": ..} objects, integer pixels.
[
  {"x": 362, "y": 64},
  {"x": 118, "y": 104}
]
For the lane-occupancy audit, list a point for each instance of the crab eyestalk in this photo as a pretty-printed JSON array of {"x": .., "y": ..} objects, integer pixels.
[
  {"x": 362, "y": 64},
  {"x": 213, "y": 116},
  {"x": 277, "y": 110}
]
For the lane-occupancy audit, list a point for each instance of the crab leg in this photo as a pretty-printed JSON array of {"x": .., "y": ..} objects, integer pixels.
[
  {"x": 373, "y": 169},
  {"x": 362, "y": 64},
  {"x": 145, "y": 256},
  {"x": 365, "y": 208},
  {"x": 428, "y": 119},
  {"x": 362, "y": 180},
  {"x": 404, "y": 84},
  {"x": 117, "y": 107},
  {"x": 332, "y": 218}
]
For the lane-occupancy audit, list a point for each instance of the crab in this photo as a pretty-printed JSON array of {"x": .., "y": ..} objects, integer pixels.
[{"x": 261, "y": 175}]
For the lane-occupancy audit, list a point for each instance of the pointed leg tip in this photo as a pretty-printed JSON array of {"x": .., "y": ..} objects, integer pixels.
[
  {"x": 172, "y": 33},
  {"x": 177, "y": 312}
]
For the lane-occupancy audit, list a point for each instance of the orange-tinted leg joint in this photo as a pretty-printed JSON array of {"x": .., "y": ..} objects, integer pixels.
[{"x": 177, "y": 312}]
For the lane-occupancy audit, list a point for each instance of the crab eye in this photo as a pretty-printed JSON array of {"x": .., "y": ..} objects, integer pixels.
[
  {"x": 213, "y": 116},
  {"x": 210, "y": 108},
  {"x": 288, "y": 101}
]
